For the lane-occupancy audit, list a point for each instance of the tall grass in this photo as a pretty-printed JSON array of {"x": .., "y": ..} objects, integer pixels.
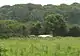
[
  {"x": 42, "y": 51},
  {"x": 39, "y": 47}
]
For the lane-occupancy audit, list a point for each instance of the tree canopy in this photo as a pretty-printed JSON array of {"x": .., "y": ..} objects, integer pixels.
[{"x": 35, "y": 19}]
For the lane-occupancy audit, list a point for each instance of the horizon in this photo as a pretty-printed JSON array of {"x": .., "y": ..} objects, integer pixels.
[{"x": 42, "y": 2}]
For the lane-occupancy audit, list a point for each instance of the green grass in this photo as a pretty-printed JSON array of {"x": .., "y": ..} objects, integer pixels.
[{"x": 40, "y": 47}]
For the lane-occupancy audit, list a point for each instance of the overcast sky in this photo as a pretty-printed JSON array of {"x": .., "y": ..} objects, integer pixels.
[{"x": 43, "y": 2}]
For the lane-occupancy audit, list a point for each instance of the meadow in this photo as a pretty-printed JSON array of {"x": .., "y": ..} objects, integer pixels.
[{"x": 56, "y": 46}]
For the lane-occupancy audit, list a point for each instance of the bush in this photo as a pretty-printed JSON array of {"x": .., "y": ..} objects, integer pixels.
[{"x": 74, "y": 31}]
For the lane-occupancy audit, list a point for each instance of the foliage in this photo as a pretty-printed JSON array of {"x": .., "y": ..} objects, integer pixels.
[
  {"x": 40, "y": 46},
  {"x": 56, "y": 24},
  {"x": 35, "y": 19},
  {"x": 74, "y": 31}
]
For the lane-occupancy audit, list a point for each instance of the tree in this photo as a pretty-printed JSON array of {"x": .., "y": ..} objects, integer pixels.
[
  {"x": 56, "y": 24},
  {"x": 74, "y": 31},
  {"x": 35, "y": 29}
]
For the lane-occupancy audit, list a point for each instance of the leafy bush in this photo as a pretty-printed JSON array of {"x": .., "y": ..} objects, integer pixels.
[{"x": 74, "y": 31}]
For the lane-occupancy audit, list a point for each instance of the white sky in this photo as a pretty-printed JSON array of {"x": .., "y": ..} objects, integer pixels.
[{"x": 43, "y": 2}]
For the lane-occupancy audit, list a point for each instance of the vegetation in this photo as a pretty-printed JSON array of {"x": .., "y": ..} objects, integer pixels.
[
  {"x": 40, "y": 47},
  {"x": 35, "y": 19},
  {"x": 21, "y": 24},
  {"x": 56, "y": 24}
]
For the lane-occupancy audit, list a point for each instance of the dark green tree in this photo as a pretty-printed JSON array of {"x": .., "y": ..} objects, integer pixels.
[
  {"x": 74, "y": 31},
  {"x": 35, "y": 29},
  {"x": 56, "y": 24}
]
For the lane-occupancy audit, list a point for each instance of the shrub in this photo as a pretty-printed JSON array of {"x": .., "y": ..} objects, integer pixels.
[{"x": 74, "y": 31}]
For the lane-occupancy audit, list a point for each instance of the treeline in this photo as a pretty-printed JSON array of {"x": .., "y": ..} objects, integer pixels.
[{"x": 35, "y": 19}]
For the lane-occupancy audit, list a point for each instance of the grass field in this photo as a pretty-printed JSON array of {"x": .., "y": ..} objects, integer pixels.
[{"x": 40, "y": 47}]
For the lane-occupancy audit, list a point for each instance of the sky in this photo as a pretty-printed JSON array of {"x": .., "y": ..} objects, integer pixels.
[{"x": 43, "y": 2}]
